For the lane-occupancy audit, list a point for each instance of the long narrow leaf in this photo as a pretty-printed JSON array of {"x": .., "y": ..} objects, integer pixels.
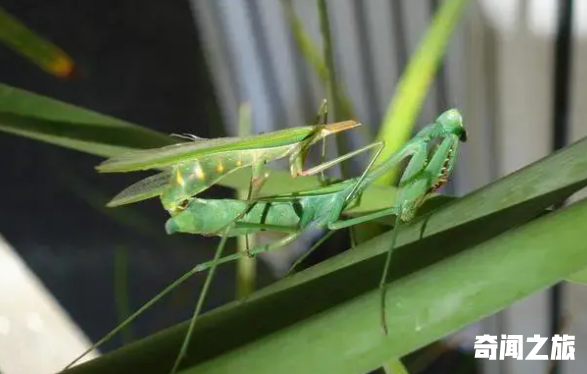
[
  {"x": 246, "y": 268},
  {"x": 414, "y": 84},
  {"x": 24, "y": 41},
  {"x": 41, "y": 118}
]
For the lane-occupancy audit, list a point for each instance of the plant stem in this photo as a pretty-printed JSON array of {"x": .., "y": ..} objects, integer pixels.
[
  {"x": 331, "y": 83},
  {"x": 246, "y": 267}
]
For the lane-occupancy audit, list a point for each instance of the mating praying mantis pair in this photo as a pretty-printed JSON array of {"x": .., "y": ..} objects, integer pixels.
[
  {"x": 192, "y": 167},
  {"x": 322, "y": 207}
]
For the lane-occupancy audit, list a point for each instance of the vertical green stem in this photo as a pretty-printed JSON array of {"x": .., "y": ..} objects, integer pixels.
[
  {"x": 246, "y": 267},
  {"x": 331, "y": 84},
  {"x": 415, "y": 82}
]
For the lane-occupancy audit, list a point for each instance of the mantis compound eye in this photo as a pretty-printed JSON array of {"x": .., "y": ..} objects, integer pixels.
[{"x": 463, "y": 136}]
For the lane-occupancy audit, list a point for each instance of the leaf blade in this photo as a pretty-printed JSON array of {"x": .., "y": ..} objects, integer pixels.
[
  {"x": 414, "y": 83},
  {"x": 44, "y": 54}
]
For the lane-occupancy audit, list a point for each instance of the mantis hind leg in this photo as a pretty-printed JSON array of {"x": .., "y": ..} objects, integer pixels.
[
  {"x": 309, "y": 252},
  {"x": 369, "y": 217},
  {"x": 259, "y": 249},
  {"x": 200, "y": 303},
  {"x": 276, "y": 244},
  {"x": 146, "y": 306},
  {"x": 383, "y": 281}
]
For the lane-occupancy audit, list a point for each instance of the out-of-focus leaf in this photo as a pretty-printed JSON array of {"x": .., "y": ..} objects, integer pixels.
[
  {"x": 41, "y": 118},
  {"x": 413, "y": 86},
  {"x": 95, "y": 138},
  {"x": 24, "y": 41},
  {"x": 246, "y": 267},
  {"x": 578, "y": 277}
]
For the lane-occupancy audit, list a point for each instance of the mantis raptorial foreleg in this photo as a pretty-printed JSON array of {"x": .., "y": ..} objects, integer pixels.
[
  {"x": 337, "y": 225},
  {"x": 409, "y": 198}
]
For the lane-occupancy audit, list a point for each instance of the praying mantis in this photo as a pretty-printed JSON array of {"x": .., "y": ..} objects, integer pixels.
[
  {"x": 194, "y": 166},
  {"x": 322, "y": 207}
]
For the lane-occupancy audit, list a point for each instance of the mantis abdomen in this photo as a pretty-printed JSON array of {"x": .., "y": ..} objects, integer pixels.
[
  {"x": 192, "y": 177},
  {"x": 207, "y": 217}
]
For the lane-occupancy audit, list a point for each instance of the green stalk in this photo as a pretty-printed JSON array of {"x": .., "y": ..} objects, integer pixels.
[
  {"x": 415, "y": 82},
  {"x": 331, "y": 83},
  {"x": 246, "y": 267},
  {"x": 311, "y": 54}
]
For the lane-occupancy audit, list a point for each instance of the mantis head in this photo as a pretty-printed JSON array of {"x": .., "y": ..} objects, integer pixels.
[
  {"x": 451, "y": 122},
  {"x": 192, "y": 218}
]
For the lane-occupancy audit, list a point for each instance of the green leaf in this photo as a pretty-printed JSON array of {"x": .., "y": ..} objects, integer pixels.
[
  {"x": 413, "y": 86},
  {"x": 332, "y": 88},
  {"x": 246, "y": 267},
  {"x": 41, "y": 118},
  {"x": 464, "y": 261},
  {"x": 40, "y": 51},
  {"x": 395, "y": 367},
  {"x": 578, "y": 277}
]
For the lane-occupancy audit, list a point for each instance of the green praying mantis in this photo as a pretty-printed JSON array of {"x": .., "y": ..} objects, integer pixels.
[
  {"x": 194, "y": 166},
  {"x": 322, "y": 207}
]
